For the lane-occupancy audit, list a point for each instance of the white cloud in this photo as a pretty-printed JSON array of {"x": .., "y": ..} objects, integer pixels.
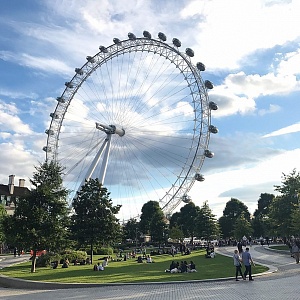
[
  {"x": 17, "y": 161},
  {"x": 286, "y": 130},
  {"x": 272, "y": 109},
  {"x": 260, "y": 85},
  {"x": 17, "y": 95},
  {"x": 243, "y": 181},
  {"x": 238, "y": 92},
  {"x": 230, "y": 103},
  {"x": 233, "y": 29},
  {"x": 290, "y": 63},
  {"x": 10, "y": 121},
  {"x": 46, "y": 64}
]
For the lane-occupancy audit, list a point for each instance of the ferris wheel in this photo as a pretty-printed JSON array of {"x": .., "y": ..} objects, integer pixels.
[{"x": 136, "y": 116}]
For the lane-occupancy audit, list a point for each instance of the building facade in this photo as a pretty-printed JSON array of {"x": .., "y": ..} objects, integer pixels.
[{"x": 10, "y": 193}]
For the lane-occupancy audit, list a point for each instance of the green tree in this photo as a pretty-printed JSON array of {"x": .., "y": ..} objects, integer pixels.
[
  {"x": 284, "y": 205},
  {"x": 131, "y": 230},
  {"x": 152, "y": 221},
  {"x": 233, "y": 209},
  {"x": 175, "y": 220},
  {"x": 94, "y": 220},
  {"x": 187, "y": 221},
  {"x": 242, "y": 227},
  {"x": 295, "y": 222},
  {"x": 175, "y": 233},
  {"x": 260, "y": 222},
  {"x": 207, "y": 226},
  {"x": 2, "y": 217},
  {"x": 41, "y": 218}
]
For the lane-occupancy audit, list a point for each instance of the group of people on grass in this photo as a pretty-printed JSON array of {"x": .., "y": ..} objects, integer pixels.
[
  {"x": 143, "y": 258},
  {"x": 182, "y": 267},
  {"x": 210, "y": 251},
  {"x": 102, "y": 266}
]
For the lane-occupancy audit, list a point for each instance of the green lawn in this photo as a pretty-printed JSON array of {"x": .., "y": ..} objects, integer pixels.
[
  {"x": 132, "y": 272},
  {"x": 280, "y": 247}
]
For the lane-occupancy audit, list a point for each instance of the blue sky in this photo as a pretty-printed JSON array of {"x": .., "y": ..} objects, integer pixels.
[{"x": 251, "y": 50}]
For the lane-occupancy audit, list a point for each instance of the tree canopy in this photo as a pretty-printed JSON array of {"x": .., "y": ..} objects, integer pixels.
[
  {"x": 2, "y": 216},
  {"x": 283, "y": 208},
  {"x": 94, "y": 218},
  {"x": 261, "y": 221},
  {"x": 153, "y": 221},
  {"x": 206, "y": 224},
  {"x": 40, "y": 218},
  {"x": 233, "y": 209}
]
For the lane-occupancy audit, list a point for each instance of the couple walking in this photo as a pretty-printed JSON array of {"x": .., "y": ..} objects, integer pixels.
[{"x": 246, "y": 259}]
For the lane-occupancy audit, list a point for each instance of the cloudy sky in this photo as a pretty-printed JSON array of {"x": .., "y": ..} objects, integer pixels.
[{"x": 251, "y": 50}]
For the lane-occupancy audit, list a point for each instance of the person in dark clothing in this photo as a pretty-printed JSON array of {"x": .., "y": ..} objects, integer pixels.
[
  {"x": 247, "y": 261},
  {"x": 240, "y": 247},
  {"x": 183, "y": 267}
]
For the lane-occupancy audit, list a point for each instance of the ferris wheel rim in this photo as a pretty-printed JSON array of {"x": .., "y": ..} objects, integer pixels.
[{"x": 199, "y": 94}]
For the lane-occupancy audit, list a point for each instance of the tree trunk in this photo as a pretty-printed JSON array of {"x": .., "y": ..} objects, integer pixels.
[{"x": 33, "y": 262}]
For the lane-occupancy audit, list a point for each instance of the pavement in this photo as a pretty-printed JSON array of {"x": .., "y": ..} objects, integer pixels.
[
  {"x": 9, "y": 260},
  {"x": 280, "y": 282}
]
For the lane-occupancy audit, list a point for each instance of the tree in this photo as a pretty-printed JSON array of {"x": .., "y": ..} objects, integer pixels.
[
  {"x": 153, "y": 221},
  {"x": 284, "y": 205},
  {"x": 187, "y": 221},
  {"x": 175, "y": 233},
  {"x": 94, "y": 221},
  {"x": 131, "y": 229},
  {"x": 242, "y": 227},
  {"x": 233, "y": 209},
  {"x": 206, "y": 223},
  {"x": 295, "y": 222},
  {"x": 175, "y": 220},
  {"x": 41, "y": 218},
  {"x": 260, "y": 222},
  {"x": 2, "y": 217}
]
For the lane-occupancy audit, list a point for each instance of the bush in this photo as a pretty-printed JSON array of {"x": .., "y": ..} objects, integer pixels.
[
  {"x": 73, "y": 255},
  {"x": 101, "y": 251},
  {"x": 45, "y": 259}
]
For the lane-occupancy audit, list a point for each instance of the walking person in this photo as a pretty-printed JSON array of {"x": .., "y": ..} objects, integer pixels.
[
  {"x": 240, "y": 247},
  {"x": 295, "y": 251},
  {"x": 247, "y": 261},
  {"x": 238, "y": 266}
]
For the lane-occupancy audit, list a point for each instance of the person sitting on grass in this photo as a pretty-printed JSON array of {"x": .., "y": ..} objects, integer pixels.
[
  {"x": 54, "y": 264},
  {"x": 100, "y": 267},
  {"x": 173, "y": 265},
  {"x": 183, "y": 267},
  {"x": 173, "y": 268},
  {"x": 66, "y": 263},
  {"x": 192, "y": 267},
  {"x": 105, "y": 262},
  {"x": 149, "y": 259}
]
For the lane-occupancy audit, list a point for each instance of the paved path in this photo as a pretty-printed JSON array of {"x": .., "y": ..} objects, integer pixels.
[
  {"x": 9, "y": 260},
  {"x": 279, "y": 285}
]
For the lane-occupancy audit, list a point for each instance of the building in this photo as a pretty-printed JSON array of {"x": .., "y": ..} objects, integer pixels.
[{"x": 10, "y": 193}]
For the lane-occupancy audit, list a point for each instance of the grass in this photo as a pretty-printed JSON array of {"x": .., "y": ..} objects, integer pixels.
[
  {"x": 132, "y": 272},
  {"x": 280, "y": 247}
]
